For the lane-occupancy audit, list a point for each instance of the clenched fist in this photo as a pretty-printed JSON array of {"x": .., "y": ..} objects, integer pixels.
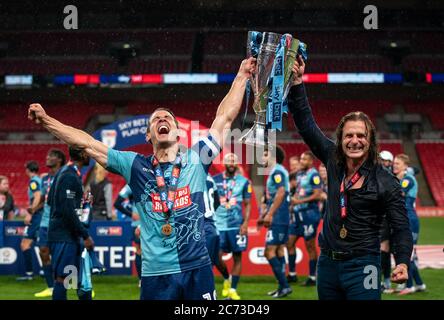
[
  {"x": 400, "y": 274},
  {"x": 247, "y": 67},
  {"x": 36, "y": 113}
]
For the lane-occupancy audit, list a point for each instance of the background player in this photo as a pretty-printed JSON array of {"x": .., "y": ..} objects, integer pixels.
[
  {"x": 212, "y": 239},
  {"x": 409, "y": 187},
  {"x": 324, "y": 179},
  {"x": 294, "y": 164},
  {"x": 306, "y": 202},
  {"x": 232, "y": 218},
  {"x": 276, "y": 218},
  {"x": 386, "y": 159},
  {"x": 65, "y": 228},
  {"x": 295, "y": 230},
  {"x": 33, "y": 217},
  {"x": 55, "y": 159}
]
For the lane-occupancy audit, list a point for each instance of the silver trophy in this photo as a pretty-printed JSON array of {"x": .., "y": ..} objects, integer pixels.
[{"x": 263, "y": 46}]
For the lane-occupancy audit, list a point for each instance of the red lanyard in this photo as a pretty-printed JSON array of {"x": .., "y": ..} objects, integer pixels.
[
  {"x": 167, "y": 195},
  {"x": 228, "y": 192},
  {"x": 70, "y": 163},
  {"x": 342, "y": 196}
]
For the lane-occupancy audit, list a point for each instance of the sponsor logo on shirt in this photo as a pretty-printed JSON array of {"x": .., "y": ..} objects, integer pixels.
[
  {"x": 183, "y": 199},
  {"x": 109, "y": 231}
]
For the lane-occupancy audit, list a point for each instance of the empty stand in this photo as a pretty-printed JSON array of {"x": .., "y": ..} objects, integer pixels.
[
  {"x": 14, "y": 117},
  {"x": 431, "y": 155}
]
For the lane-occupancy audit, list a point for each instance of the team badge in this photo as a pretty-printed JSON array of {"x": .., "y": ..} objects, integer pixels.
[
  {"x": 316, "y": 180},
  {"x": 277, "y": 178},
  {"x": 250, "y": 189},
  {"x": 33, "y": 186}
]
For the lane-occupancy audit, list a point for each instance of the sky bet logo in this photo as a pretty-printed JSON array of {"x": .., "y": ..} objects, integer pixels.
[
  {"x": 14, "y": 231},
  {"x": 109, "y": 231}
]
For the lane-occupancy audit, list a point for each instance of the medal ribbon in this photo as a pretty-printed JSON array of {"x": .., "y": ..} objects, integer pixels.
[
  {"x": 50, "y": 180},
  {"x": 228, "y": 192},
  {"x": 70, "y": 163},
  {"x": 342, "y": 196},
  {"x": 274, "y": 109},
  {"x": 167, "y": 194}
]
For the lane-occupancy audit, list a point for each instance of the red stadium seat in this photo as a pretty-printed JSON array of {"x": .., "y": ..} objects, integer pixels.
[
  {"x": 14, "y": 117},
  {"x": 13, "y": 165},
  {"x": 431, "y": 155}
]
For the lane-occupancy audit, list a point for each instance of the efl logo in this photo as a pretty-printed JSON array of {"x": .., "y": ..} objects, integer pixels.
[
  {"x": 14, "y": 231},
  {"x": 109, "y": 231},
  {"x": 8, "y": 256},
  {"x": 183, "y": 199}
]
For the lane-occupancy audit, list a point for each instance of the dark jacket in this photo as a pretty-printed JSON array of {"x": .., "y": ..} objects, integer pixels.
[{"x": 65, "y": 199}]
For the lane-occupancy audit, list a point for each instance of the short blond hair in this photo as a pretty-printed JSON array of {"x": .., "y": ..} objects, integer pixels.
[{"x": 404, "y": 158}]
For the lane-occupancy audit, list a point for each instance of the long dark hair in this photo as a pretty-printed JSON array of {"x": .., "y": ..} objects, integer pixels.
[{"x": 370, "y": 132}]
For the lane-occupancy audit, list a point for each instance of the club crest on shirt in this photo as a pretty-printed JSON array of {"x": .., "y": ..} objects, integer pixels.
[{"x": 278, "y": 178}]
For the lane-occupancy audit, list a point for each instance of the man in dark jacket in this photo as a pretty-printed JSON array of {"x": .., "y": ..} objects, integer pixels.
[
  {"x": 65, "y": 226},
  {"x": 360, "y": 194}
]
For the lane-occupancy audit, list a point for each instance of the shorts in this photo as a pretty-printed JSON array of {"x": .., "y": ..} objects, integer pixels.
[
  {"x": 65, "y": 258},
  {"x": 309, "y": 221},
  {"x": 196, "y": 284},
  {"x": 212, "y": 241},
  {"x": 32, "y": 231},
  {"x": 42, "y": 240},
  {"x": 277, "y": 235},
  {"x": 295, "y": 228},
  {"x": 232, "y": 241}
]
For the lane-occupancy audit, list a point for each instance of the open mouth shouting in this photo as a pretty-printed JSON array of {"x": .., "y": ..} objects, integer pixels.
[{"x": 163, "y": 130}]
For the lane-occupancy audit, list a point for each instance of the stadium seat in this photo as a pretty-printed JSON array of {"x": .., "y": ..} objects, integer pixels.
[
  {"x": 14, "y": 117},
  {"x": 431, "y": 155}
]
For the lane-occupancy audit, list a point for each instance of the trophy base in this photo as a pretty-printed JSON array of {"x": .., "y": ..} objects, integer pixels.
[{"x": 256, "y": 136}]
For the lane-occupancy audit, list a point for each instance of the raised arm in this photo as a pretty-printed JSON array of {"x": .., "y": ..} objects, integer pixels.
[
  {"x": 230, "y": 106},
  {"x": 303, "y": 117},
  {"x": 71, "y": 136}
]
